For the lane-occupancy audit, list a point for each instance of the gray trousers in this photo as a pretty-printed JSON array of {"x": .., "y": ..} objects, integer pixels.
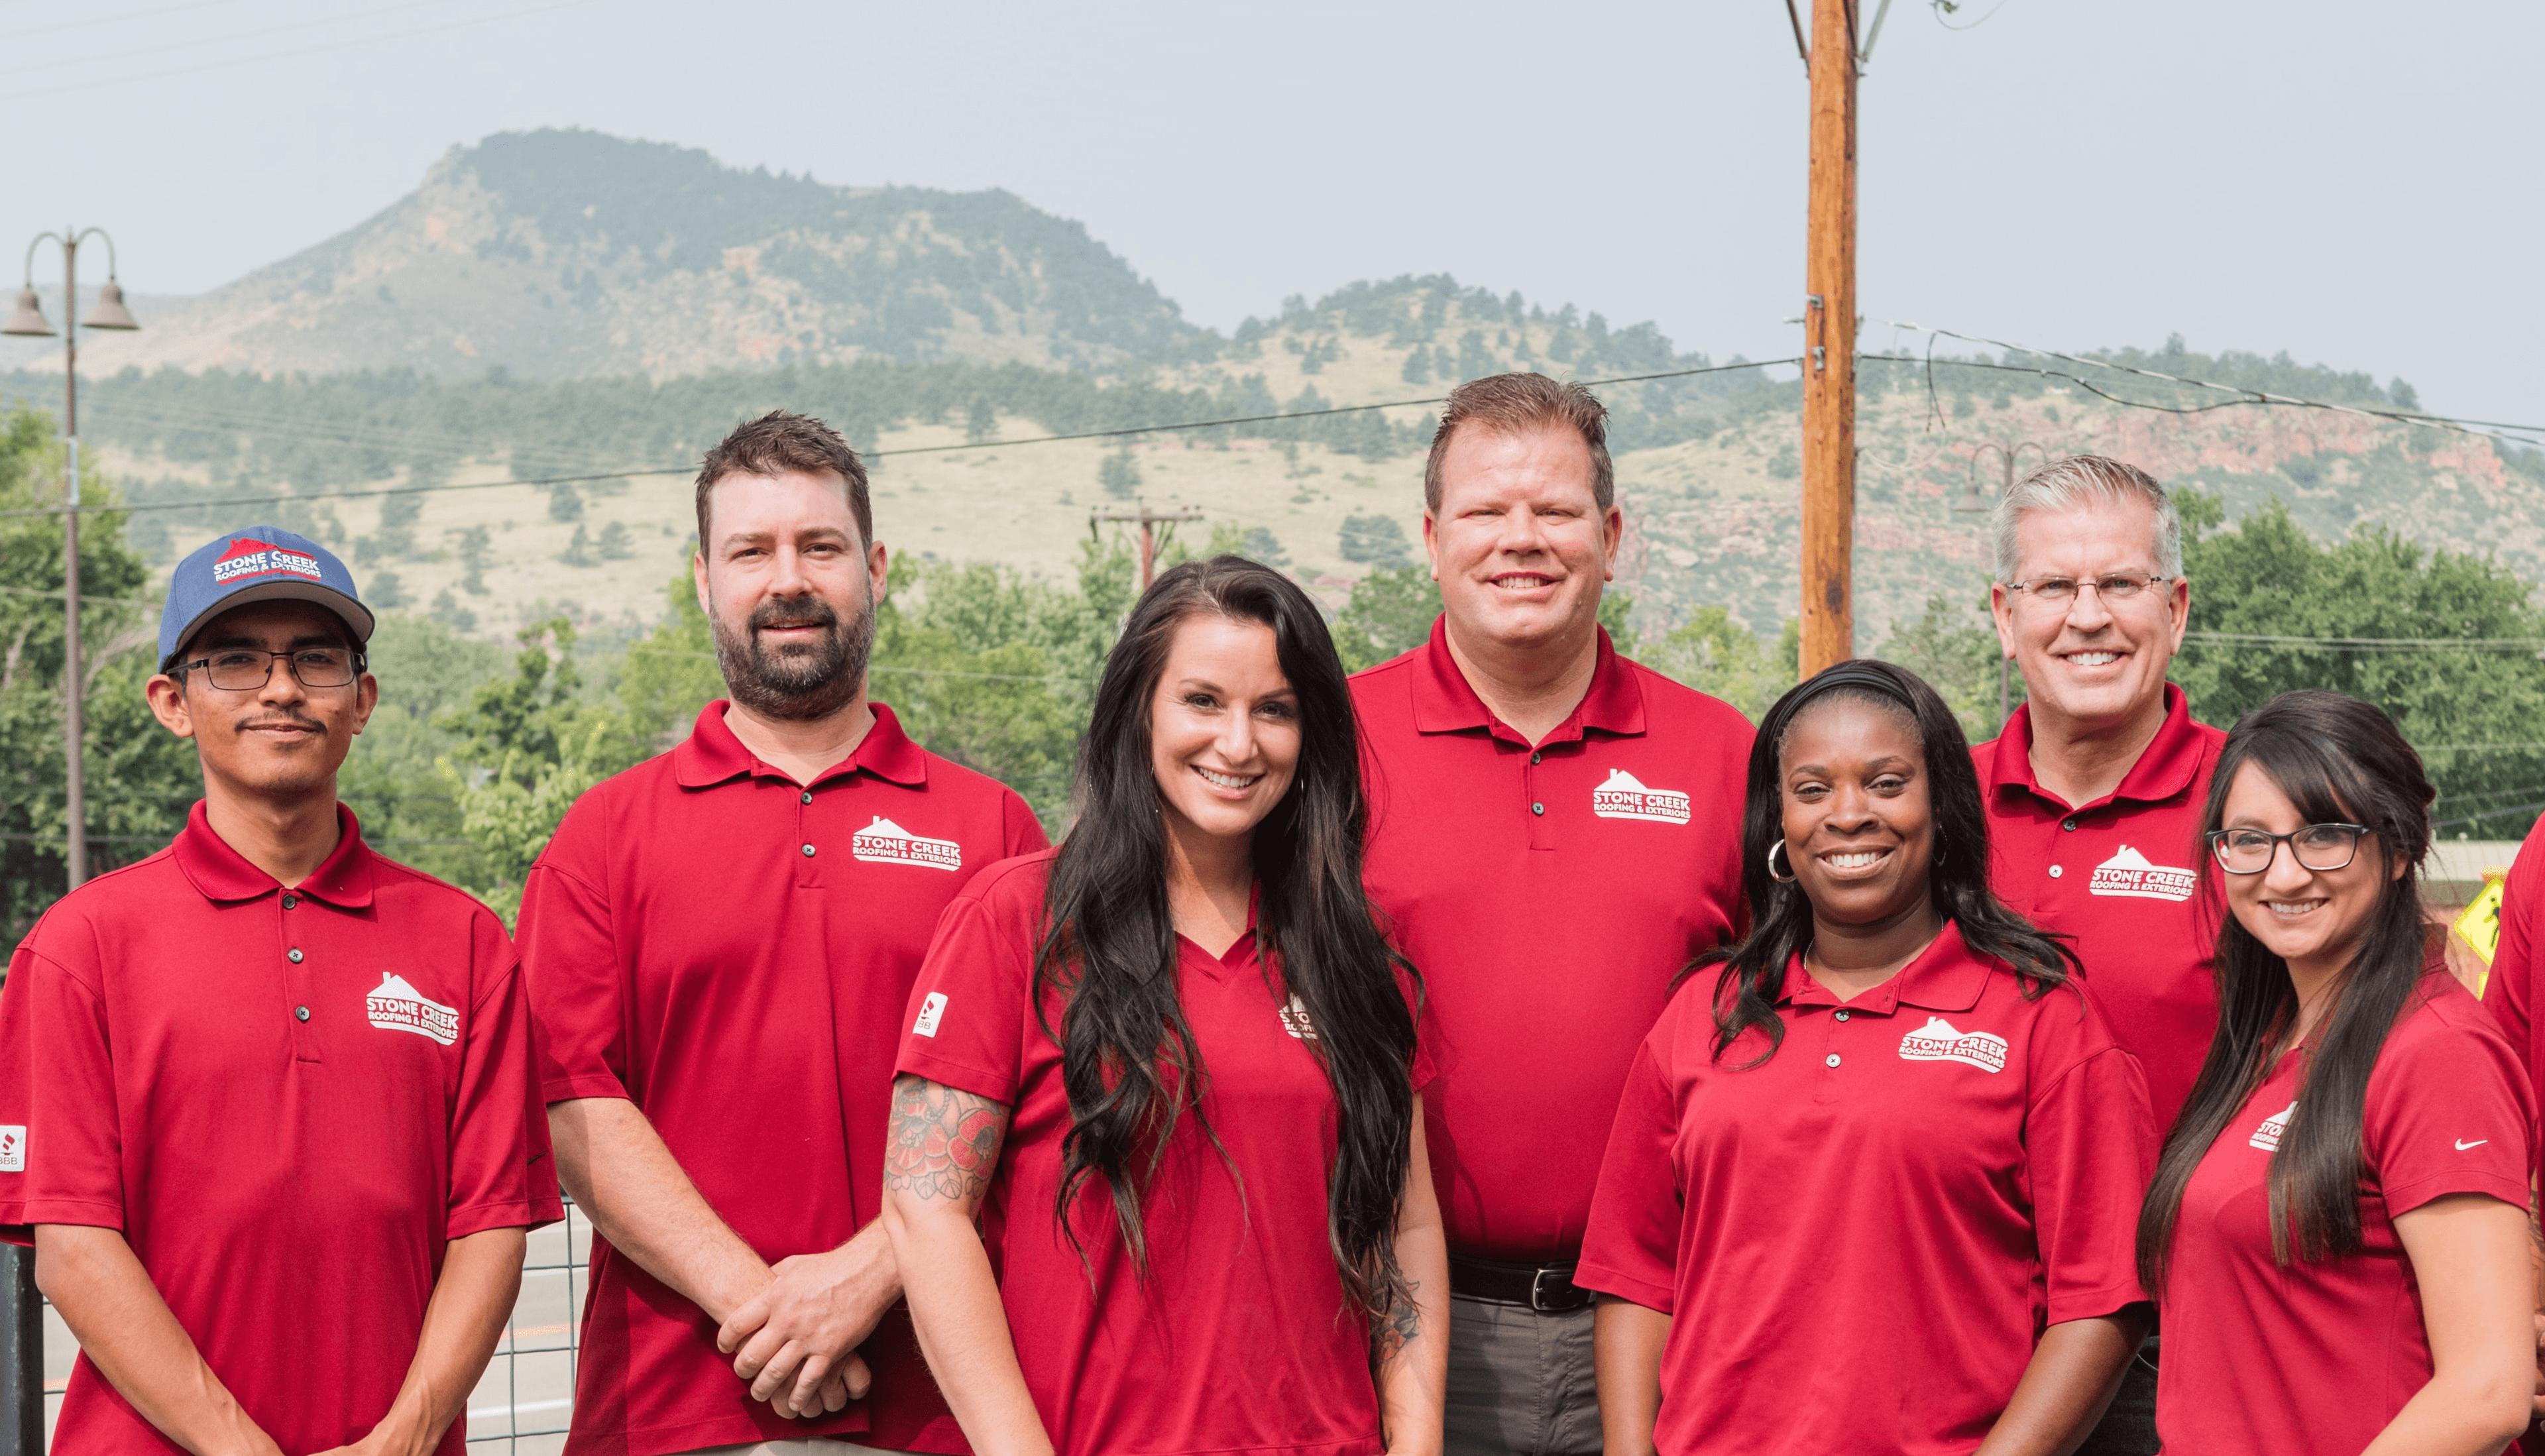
[
  {"x": 2128, "y": 1427},
  {"x": 1521, "y": 1383}
]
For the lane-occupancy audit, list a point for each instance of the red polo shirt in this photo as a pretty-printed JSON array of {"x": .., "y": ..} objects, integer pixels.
[
  {"x": 287, "y": 1100},
  {"x": 730, "y": 952},
  {"x": 1239, "y": 1339},
  {"x": 2509, "y": 990},
  {"x": 1860, "y": 1239},
  {"x": 2120, "y": 876},
  {"x": 2320, "y": 1356},
  {"x": 1547, "y": 895}
]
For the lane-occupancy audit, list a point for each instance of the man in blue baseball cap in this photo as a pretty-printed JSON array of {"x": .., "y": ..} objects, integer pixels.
[{"x": 282, "y": 1205}]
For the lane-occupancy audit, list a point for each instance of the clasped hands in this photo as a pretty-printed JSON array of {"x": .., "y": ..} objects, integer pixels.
[{"x": 795, "y": 1340}]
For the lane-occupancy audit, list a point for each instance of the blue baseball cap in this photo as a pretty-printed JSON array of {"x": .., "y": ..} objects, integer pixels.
[{"x": 262, "y": 563}]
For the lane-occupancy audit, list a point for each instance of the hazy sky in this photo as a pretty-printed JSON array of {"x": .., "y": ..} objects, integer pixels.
[{"x": 2353, "y": 183}]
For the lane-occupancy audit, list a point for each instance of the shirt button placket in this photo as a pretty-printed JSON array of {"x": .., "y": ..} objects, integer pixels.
[
  {"x": 807, "y": 841},
  {"x": 299, "y": 987},
  {"x": 1534, "y": 793}
]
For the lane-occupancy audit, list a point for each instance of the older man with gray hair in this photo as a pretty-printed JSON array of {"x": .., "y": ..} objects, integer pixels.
[{"x": 2096, "y": 787}]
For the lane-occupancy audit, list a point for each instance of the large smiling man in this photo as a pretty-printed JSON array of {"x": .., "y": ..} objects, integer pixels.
[
  {"x": 2095, "y": 785},
  {"x": 1555, "y": 832},
  {"x": 720, "y": 942},
  {"x": 272, "y": 1119}
]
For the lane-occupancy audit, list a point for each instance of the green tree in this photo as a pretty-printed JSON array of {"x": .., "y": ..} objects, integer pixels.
[
  {"x": 1371, "y": 540},
  {"x": 2473, "y": 710},
  {"x": 1955, "y": 649},
  {"x": 1390, "y": 611},
  {"x": 1716, "y": 654}
]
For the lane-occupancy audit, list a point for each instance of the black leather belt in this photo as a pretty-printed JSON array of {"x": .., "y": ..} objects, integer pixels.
[{"x": 1546, "y": 1289}]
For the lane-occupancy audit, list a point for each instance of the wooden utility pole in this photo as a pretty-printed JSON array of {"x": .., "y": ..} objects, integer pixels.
[
  {"x": 1828, "y": 346},
  {"x": 1147, "y": 520}
]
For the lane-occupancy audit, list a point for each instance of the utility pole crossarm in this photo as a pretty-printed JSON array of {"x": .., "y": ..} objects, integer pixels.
[{"x": 1147, "y": 520}]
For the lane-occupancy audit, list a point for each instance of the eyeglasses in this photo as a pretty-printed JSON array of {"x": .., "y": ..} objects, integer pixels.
[
  {"x": 2318, "y": 847},
  {"x": 2060, "y": 590},
  {"x": 245, "y": 669}
]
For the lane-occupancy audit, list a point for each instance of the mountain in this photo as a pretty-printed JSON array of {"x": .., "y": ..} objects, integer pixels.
[{"x": 563, "y": 254}]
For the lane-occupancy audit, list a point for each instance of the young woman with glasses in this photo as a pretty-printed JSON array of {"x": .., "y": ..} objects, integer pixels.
[
  {"x": 1872, "y": 1182},
  {"x": 1174, "y": 1064},
  {"x": 2336, "y": 1232}
]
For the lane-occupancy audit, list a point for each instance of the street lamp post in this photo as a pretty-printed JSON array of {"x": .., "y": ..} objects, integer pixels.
[{"x": 28, "y": 320}]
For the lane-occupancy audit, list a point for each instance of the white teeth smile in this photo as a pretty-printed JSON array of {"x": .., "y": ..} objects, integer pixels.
[
  {"x": 1227, "y": 780},
  {"x": 2292, "y": 909},
  {"x": 1853, "y": 858},
  {"x": 2093, "y": 659}
]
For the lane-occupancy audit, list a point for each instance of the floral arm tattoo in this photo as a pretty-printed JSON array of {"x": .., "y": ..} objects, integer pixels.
[
  {"x": 1404, "y": 1323},
  {"x": 943, "y": 1143}
]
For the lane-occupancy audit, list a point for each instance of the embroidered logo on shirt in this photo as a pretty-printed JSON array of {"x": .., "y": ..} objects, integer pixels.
[
  {"x": 928, "y": 1012},
  {"x": 2129, "y": 874},
  {"x": 12, "y": 1150},
  {"x": 1294, "y": 1020},
  {"x": 2462, "y": 1144},
  {"x": 2267, "y": 1136},
  {"x": 1624, "y": 796},
  {"x": 886, "y": 842},
  {"x": 395, "y": 1005},
  {"x": 246, "y": 558},
  {"x": 1939, "y": 1041}
]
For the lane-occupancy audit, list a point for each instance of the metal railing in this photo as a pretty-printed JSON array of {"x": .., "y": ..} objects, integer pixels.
[{"x": 522, "y": 1400}]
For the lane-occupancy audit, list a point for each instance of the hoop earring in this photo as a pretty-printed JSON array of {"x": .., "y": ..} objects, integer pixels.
[{"x": 1773, "y": 850}]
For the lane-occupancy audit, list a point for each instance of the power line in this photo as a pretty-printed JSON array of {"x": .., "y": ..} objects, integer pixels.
[
  {"x": 108, "y": 19},
  {"x": 258, "y": 34},
  {"x": 2363, "y": 644},
  {"x": 918, "y": 449}
]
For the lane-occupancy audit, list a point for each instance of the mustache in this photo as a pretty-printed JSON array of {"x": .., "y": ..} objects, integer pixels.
[
  {"x": 793, "y": 612},
  {"x": 282, "y": 720}
]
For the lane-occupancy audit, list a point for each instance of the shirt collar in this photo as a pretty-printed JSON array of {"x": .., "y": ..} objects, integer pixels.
[
  {"x": 2169, "y": 765},
  {"x": 712, "y": 754},
  {"x": 1945, "y": 977},
  {"x": 221, "y": 872},
  {"x": 1445, "y": 701}
]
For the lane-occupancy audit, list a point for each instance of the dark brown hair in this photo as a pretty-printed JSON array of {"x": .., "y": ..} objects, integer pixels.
[
  {"x": 1512, "y": 403},
  {"x": 779, "y": 442},
  {"x": 2339, "y": 761}
]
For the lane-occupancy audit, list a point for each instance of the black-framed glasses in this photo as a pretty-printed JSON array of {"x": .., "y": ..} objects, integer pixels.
[
  {"x": 245, "y": 669},
  {"x": 2060, "y": 590},
  {"x": 2318, "y": 847}
]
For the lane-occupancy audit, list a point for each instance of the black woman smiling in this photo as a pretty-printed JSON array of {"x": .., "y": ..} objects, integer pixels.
[
  {"x": 1860, "y": 1195},
  {"x": 2337, "y": 1230}
]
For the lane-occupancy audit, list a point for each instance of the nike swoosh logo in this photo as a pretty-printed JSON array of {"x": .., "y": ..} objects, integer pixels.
[{"x": 2462, "y": 1145}]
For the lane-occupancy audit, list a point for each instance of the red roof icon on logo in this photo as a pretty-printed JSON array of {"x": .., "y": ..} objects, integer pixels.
[{"x": 244, "y": 546}]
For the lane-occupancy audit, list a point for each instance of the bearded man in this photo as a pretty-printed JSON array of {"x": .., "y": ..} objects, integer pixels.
[{"x": 718, "y": 944}]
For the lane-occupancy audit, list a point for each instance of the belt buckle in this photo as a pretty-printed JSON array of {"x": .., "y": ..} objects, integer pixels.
[{"x": 1537, "y": 1291}]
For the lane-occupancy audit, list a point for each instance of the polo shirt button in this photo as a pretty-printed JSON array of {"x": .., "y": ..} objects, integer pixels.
[
  {"x": 292, "y": 955},
  {"x": 1537, "y": 758},
  {"x": 2054, "y": 870},
  {"x": 808, "y": 851},
  {"x": 808, "y": 798},
  {"x": 290, "y": 900},
  {"x": 1833, "y": 1058},
  {"x": 1537, "y": 808},
  {"x": 2068, "y": 824},
  {"x": 1842, "y": 1016},
  {"x": 300, "y": 1013}
]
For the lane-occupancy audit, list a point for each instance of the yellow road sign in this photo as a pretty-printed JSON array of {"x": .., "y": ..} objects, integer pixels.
[{"x": 2480, "y": 924}]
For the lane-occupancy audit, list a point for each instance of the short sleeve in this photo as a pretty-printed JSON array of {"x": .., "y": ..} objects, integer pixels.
[
  {"x": 501, "y": 1173},
  {"x": 2087, "y": 1138},
  {"x": 570, "y": 967},
  {"x": 1630, "y": 1246},
  {"x": 61, "y": 1144},
  {"x": 1418, "y": 999},
  {"x": 1022, "y": 832},
  {"x": 969, "y": 1007},
  {"x": 2448, "y": 1111}
]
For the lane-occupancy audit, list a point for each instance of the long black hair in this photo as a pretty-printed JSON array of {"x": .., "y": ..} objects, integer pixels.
[
  {"x": 2339, "y": 761},
  {"x": 1753, "y": 971},
  {"x": 1128, "y": 1057}
]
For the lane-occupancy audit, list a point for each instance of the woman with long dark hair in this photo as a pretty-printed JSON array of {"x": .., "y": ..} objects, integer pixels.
[
  {"x": 1174, "y": 1064},
  {"x": 1873, "y": 1180},
  {"x": 2336, "y": 1231}
]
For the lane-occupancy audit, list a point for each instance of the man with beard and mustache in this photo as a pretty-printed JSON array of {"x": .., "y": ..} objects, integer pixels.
[{"x": 720, "y": 944}]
